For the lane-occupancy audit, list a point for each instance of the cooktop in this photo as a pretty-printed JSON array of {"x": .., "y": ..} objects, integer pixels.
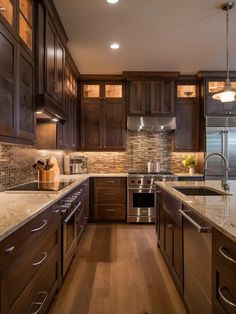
[{"x": 37, "y": 186}]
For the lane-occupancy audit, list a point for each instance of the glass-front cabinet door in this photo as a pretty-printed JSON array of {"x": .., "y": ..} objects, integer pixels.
[
  {"x": 91, "y": 91},
  {"x": 186, "y": 91},
  {"x": 7, "y": 11},
  {"x": 113, "y": 91},
  {"x": 102, "y": 91},
  {"x": 216, "y": 107},
  {"x": 26, "y": 22}
]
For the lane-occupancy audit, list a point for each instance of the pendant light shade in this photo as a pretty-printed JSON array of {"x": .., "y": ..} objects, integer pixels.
[{"x": 228, "y": 93}]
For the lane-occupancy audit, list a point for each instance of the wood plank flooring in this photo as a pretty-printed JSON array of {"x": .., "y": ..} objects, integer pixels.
[{"x": 118, "y": 270}]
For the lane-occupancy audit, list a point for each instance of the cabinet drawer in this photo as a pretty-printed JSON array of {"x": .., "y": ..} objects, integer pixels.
[
  {"x": 225, "y": 249},
  {"x": 29, "y": 264},
  {"x": 109, "y": 182},
  {"x": 110, "y": 212},
  {"x": 110, "y": 196},
  {"x": 38, "y": 294},
  {"x": 224, "y": 288},
  {"x": 15, "y": 244}
]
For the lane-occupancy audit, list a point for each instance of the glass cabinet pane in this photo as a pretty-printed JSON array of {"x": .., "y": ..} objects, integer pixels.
[
  {"x": 113, "y": 91},
  {"x": 91, "y": 91},
  {"x": 6, "y": 9},
  {"x": 214, "y": 87},
  {"x": 187, "y": 91},
  {"x": 26, "y": 22}
]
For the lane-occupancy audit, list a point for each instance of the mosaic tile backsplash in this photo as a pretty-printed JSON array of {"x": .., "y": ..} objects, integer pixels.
[{"x": 16, "y": 160}]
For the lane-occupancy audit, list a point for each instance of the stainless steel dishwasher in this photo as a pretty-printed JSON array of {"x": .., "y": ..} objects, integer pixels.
[{"x": 197, "y": 244}]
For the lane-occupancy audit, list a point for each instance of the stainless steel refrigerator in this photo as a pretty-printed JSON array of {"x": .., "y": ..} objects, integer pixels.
[{"x": 220, "y": 138}]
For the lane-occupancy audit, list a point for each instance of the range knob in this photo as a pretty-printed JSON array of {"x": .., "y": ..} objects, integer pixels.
[
  {"x": 148, "y": 181},
  {"x": 132, "y": 181},
  {"x": 139, "y": 181}
]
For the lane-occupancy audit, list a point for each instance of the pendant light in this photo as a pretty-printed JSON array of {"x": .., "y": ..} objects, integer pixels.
[{"x": 228, "y": 93}]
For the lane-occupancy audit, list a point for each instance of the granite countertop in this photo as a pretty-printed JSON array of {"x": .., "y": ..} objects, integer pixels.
[
  {"x": 16, "y": 209},
  {"x": 219, "y": 211}
]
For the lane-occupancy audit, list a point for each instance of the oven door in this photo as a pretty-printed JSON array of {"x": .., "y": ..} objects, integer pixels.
[
  {"x": 142, "y": 204},
  {"x": 69, "y": 238}
]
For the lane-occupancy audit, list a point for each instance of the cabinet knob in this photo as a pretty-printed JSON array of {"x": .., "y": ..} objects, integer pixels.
[
  {"x": 9, "y": 250},
  {"x": 170, "y": 226},
  {"x": 100, "y": 98}
]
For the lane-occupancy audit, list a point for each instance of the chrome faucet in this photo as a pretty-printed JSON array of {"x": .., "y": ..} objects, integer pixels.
[{"x": 224, "y": 182}]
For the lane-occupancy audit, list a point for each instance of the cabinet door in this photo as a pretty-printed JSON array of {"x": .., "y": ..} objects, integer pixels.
[
  {"x": 137, "y": 98},
  {"x": 8, "y": 57},
  {"x": 216, "y": 107},
  {"x": 169, "y": 99},
  {"x": 59, "y": 74},
  {"x": 26, "y": 23},
  {"x": 26, "y": 113},
  {"x": 114, "y": 126},
  {"x": 114, "y": 92},
  {"x": 50, "y": 59},
  {"x": 74, "y": 120},
  {"x": 187, "y": 135},
  {"x": 157, "y": 97},
  {"x": 91, "y": 91},
  {"x": 91, "y": 126}
]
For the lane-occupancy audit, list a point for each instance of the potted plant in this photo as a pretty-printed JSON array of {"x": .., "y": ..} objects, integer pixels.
[{"x": 190, "y": 162}]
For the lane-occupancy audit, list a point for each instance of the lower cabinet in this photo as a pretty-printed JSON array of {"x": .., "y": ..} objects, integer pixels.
[
  {"x": 30, "y": 267},
  {"x": 170, "y": 234},
  {"x": 83, "y": 214},
  {"x": 224, "y": 274},
  {"x": 110, "y": 198}
]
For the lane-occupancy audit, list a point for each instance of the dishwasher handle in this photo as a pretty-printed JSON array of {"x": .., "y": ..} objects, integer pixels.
[{"x": 200, "y": 229}]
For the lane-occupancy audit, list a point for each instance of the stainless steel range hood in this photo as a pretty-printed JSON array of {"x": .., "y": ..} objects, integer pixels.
[{"x": 151, "y": 123}]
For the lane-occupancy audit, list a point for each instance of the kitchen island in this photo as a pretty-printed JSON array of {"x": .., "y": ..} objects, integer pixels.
[{"x": 197, "y": 238}]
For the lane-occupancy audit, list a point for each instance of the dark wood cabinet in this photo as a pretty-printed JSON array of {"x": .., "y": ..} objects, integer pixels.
[
  {"x": 170, "y": 234},
  {"x": 30, "y": 261},
  {"x": 103, "y": 116},
  {"x": 109, "y": 198},
  {"x": 155, "y": 98},
  {"x": 224, "y": 273},
  {"x": 8, "y": 83},
  {"x": 8, "y": 15},
  {"x": 187, "y": 133},
  {"x": 26, "y": 113},
  {"x": 212, "y": 82}
]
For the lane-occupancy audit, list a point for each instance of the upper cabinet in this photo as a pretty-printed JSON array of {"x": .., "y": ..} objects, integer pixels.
[
  {"x": 187, "y": 133},
  {"x": 26, "y": 23},
  {"x": 103, "y": 112},
  {"x": 50, "y": 60},
  {"x": 17, "y": 122},
  {"x": 151, "y": 93},
  {"x": 212, "y": 82}
]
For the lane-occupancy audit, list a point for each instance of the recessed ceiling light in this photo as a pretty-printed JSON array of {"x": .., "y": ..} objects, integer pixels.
[
  {"x": 112, "y": 1},
  {"x": 115, "y": 46},
  {"x": 55, "y": 120}
]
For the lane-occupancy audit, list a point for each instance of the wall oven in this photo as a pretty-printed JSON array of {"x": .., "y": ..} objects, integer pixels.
[{"x": 142, "y": 198}]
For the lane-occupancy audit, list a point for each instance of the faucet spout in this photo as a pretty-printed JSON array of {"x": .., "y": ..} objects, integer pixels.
[{"x": 224, "y": 182}]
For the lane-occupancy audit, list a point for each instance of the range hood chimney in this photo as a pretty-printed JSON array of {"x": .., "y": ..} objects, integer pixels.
[{"x": 151, "y": 123}]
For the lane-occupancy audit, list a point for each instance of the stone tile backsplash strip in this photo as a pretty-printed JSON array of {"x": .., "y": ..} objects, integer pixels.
[
  {"x": 16, "y": 160},
  {"x": 16, "y": 163}
]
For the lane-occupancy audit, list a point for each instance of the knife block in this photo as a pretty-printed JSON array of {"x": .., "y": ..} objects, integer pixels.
[{"x": 46, "y": 175}]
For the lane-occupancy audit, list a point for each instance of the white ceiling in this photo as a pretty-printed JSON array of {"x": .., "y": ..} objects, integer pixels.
[{"x": 155, "y": 35}]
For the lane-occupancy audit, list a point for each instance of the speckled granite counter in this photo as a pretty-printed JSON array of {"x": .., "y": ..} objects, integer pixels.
[
  {"x": 186, "y": 174},
  {"x": 219, "y": 211},
  {"x": 16, "y": 209}
]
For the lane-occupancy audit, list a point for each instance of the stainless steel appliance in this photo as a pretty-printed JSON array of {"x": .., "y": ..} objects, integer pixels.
[
  {"x": 75, "y": 164},
  {"x": 70, "y": 206},
  {"x": 220, "y": 138},
  {"x": 141, "y": 200},
  {"x": 197, "y": 238}
]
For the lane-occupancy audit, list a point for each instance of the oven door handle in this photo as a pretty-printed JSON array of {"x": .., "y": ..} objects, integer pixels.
[
  {"x": 72, "y": 213},
  {"x": 144, "y": 189}
]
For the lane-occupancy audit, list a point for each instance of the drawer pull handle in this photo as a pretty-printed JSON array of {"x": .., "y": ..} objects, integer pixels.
[
  {"x": 45, "y": 255},
  {"x": 40, "y": 304},
  {"x": 41, "y": 227},
  {"x": 109, "y": 210},
  {"x": 224, "y": 298},
  {"x": 221, "y": 250},
  {"x": 200, "y": 229},
  {"x": 9, "y": 250},
  {"x": 109, "y": 193},
  {"x": 109, "y": 181},
  {"x": 56, "y": 211}
]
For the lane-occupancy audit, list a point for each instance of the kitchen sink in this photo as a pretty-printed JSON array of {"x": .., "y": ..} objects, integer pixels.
[{"x": 197, "y": 191}]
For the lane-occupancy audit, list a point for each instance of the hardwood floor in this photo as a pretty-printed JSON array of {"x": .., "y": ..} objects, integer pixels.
[{"x": 118, "y": 270}]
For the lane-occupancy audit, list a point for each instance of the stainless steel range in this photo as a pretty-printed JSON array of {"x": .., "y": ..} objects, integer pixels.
[{"x": 142, "y": 199}]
